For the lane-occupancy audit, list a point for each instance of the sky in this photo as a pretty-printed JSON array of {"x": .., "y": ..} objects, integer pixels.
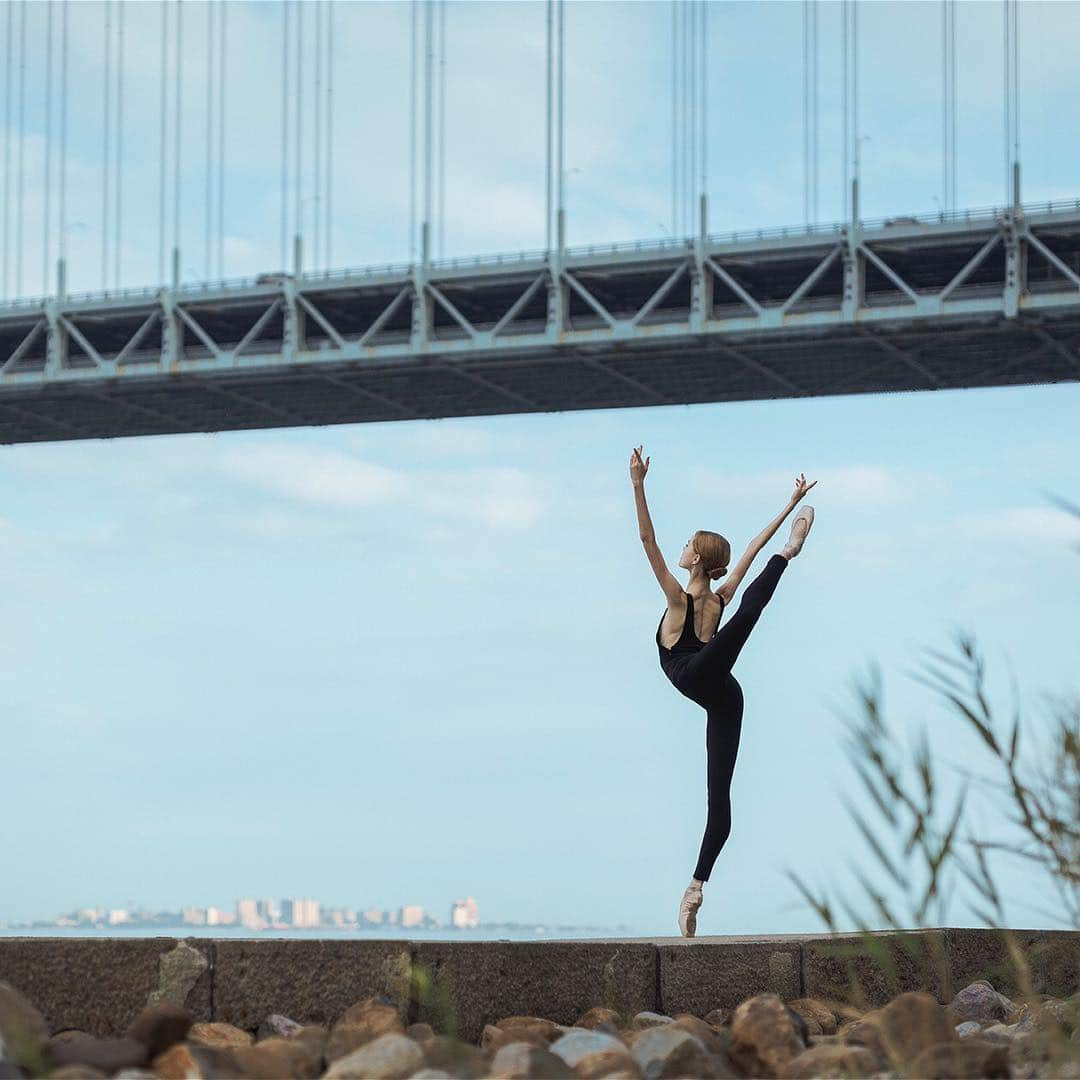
[{"x": 407, "y": 662}]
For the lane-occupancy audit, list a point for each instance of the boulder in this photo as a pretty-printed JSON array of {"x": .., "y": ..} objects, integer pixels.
[
  {"x": 967, "y": 1060},
  {"x": 160, "y": 1026},
  {"x": 979, "y": 1001},
  {"x": 764, "y": 1035},
  {"x": 830, "y": 1061},
  {"x": 525, "y": 1061},
  {"x": 388, "y": 1057}
]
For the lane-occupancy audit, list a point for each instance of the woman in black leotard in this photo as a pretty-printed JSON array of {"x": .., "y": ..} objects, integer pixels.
[{"x": 701, "y": 669}]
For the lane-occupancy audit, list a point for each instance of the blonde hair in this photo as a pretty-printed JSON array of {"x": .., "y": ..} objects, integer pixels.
[{"x": 715, "y": 552}]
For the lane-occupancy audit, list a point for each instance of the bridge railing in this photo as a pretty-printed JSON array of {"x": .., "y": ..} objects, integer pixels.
[{"x": 510, "y": 259}]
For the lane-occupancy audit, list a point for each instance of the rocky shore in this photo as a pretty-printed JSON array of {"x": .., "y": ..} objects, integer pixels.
[{"x": 980, "y": 1033}]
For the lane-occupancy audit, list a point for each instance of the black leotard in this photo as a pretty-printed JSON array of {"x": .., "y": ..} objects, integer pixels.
[{"x": 701, "y": 671}]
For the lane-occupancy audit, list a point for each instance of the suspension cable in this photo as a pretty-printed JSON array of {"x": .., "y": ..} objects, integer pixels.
[
  {"x": 106, "y": 167},
  {"x": 47, "y": 217},
  {"x": 330, "y": 38},
  {"x": 119, "y": 142},
  {"x": 845, "y": 134},
  {"x": 317, "y": 136},
  {"x": 560, "y": 128},
  {"x": 285, "y": 9},
  {"x": 547, "y": 141},
  {"x": 298, "y": 220},
  {"x": 674, "y": 117},
  {"x": 207, "y": 208},
  {"x": 412, "y": 133},
  {"x": 22, "y": 143},
  {"x": 442, "y": 129},
  {"x": 177, "y": 130},
  {"x": 4, "y": 206},
  {"x": 63, "y": 130},
  {"x": 222, "y": 53},
  {"x": 162, "y": 124},
  {"x": 704, "y": 97}
]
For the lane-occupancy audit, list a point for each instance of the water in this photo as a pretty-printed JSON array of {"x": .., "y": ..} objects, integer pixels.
[{"x": 375, "y": 933}]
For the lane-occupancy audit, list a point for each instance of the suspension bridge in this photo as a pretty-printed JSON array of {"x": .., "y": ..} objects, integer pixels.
[{"x": 958, "y": 298}]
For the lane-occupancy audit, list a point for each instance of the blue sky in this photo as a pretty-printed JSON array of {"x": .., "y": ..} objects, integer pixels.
[{"x": 405, "y": 662}]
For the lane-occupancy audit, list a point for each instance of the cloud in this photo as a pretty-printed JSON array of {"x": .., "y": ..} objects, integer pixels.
[
  {"x": 857, "y": 486},
  {"x": 1040, "y": 525}
]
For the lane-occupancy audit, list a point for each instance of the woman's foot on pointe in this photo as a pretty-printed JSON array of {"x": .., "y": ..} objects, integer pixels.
[
  {"x": 799, "y": 529},
  {"x": 688, "y": 909}
]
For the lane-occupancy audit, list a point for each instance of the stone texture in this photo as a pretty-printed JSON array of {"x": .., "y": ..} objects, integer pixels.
[
  {"x": 523, "y": 1061},
  {"x": 160, "y": 1026},
  {"x": 816, "y": 1012},
  {"x": 981, "y": 1002},
  {"x": 578, "y": 1042},
  {"x": 108, "y": 1054},
  {"x": 830, "y": 1061},
  {"x": 555, "y": 979},
  {"x": 849, "y": 967},
  {"x": 222, "y": 1035},
  {"x": 453, "y": 1055},
  {"x": 764, "y": 1036},
  {"x": 276, "y": 1024},
  {"x": 1053, "y": 955},
  {"x": 312, "y": 981},
  {"x": 668, "y": 1051},
  {"x": 966, "y": 1060},
  {"x": 599, "y": 1018},
  {"x": 278, "y": 1056},
  {"x": 701, "y": 974},
  {"x": 99, "y": 984},
  {"x": 609, "y": 1064},
  {"x": 899, "y": 1031},
  {"x": 389, "y": 1057},
  {"x": 647, "y": 1019}
]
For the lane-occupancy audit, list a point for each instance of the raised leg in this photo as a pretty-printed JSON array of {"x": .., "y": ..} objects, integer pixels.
[{"x": 718, "y": 657}]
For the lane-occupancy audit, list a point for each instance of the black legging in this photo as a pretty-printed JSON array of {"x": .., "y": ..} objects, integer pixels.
[{"x": 707, "y": 679}]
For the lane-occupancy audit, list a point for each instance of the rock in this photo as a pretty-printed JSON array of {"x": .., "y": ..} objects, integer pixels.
[
  {"x": 972, "y": 1059},
  {"x": 387, "y": 1057},
  {"x": 717, "y": 1018},
  {"x": 998, "y": 1033},
  {"x": 494, "y": 1039},
  {"x": 23, "y": 1031},
  {"x": 901, "y": 1030},
  {"x": 518, "y": 1025},
  {"x": 524, "y": 1061},
  {"x": 979, "y": 1001},
  {"x": 135, "y": 1074},
  {"x": 219, "y": 1034},
  {"x": 279, "y": 1056},
  {"x": 276, "y": 1024},
  {"x": 969, "y": 1028},
  {"x": 717, "y": 1043},
  {"x": 420, "y": 1032},
  {"x": 432, "y": 1074},
  {"x": 378, "y": 1014},
  {"x": 667, "y": 1051},
  {"x": 577, "y": 1042},
  {"x": 108, "y": 1055},
  {"x": 191, "y": 1061},
  {"x": 606, "y": 1063},
  {"x": 764, "y": 1035},
  {"x": 455, "y": 1055},
  {"x": 77, "y": 1072},
  {"x": 1038, "y": 1054},
  {"x": 817, "y": 1012},
  {"x": 160, "y": 1026},
  {"x": 649, "y": 1019},
  {"x": 600, "y": 1018},
  {"x": 830, "y": 1060}
]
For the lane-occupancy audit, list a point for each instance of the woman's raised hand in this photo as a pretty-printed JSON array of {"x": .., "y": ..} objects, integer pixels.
[
  {"x": 638, "y": 468},
  {"x": 801, "y": 487}
]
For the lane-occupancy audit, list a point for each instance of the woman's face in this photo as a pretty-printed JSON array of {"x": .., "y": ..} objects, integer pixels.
[{"x": 686, "y": 559}]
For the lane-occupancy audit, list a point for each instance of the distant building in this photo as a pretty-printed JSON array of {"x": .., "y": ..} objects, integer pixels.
[
  {"x": 247, "y": 914},
  {"x": 463, "y": 913},
  {"x": 300, "y": 912},
  {"x": 373, "y": 916},
  {"x": 193, "y": 916},
  {"x": 118, "y": 915},
  {"x": 411, "y": 915},
  {"x": 268, "y": 910}
]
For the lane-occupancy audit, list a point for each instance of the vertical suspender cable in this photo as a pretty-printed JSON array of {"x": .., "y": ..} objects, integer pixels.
[
  {"x": 814, "y": 113},
  {"x": 62, "y": 222},
  {"x": 317, "y": 134},
  {"x": 106, "y": 172},
  {"x": 298, "y": 223},
  {"x": 427, "y": 124},
  {"x": 163, "y": 67},
  {"x": 5, "y": 204},
  {"x": 22, "y": 143},
  {"x": 47, "y": 217},
  {"x": 952, "y": 98},
  {"x": 207, "y": 209},
  {"x": 944, "y": 104},
  {"x": 1015, "y": 89},
  {"x": 222, "y": 8},
  {"x": 675, "y": 4},
  {"x": 176, "y": 136},
  {"x": 1007, "y": 138},
  {"x": 559, "y": 127},
  {"x": 414, "y": 4},
  {"x": 855, "y": 91},
  {"x": 547, "y": 141},
  {"x": 704, "y": 96},
  {"x": 329, "y": 130},
  {"x": 442, "y": 129},
  {"x": 691, "y": 18},
  {"x": 119, "y": 142},
  {"x": 845, "y": 144},
  {"x": 285, "y": 135},
  {"x": 686, "y": 167},
  {"x": 806, "y": 110}
]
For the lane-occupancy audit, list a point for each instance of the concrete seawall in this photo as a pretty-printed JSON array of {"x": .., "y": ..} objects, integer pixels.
[{"x": 99, "y": 984}]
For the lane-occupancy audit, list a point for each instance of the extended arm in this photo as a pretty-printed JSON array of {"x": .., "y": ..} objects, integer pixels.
[
  {"x": 672, "y": 589},
  {"x": 738, "y": 572}
]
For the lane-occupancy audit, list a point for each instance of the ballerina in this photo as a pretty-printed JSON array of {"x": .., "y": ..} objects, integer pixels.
[{"x": 700, "y": 669}]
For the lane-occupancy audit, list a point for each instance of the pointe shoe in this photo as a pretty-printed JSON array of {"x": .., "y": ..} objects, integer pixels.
[
  {"x": 688, "y": 910},
  {"x": 795, "y": 541}
]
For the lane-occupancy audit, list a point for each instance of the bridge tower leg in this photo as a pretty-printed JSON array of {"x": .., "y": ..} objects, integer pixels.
[{"x": 420, "y": 332}]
